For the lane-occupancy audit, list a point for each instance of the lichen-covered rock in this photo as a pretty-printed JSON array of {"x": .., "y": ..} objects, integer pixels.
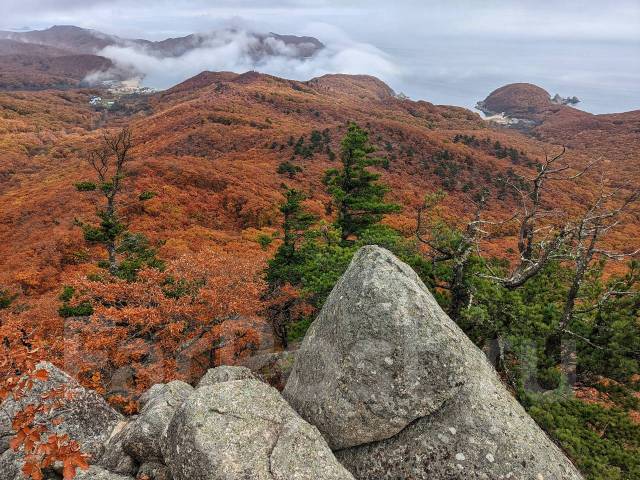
[
  {"x": 114, "y": 458},
  {"x": 154, "y": 471},
  {"x": 140, "y": 438},
  {"x": 98, "y": 473},
  {"x": 225, "y": 373},
  {"x": 375, "y": 359},
  {"x": 88, "y": 419},
  {"x": 149, "y": 394},
  {"x": 11, "y": 466},
  {"x": 244, "y": 430},
  {"x": 401, "y": 392}
]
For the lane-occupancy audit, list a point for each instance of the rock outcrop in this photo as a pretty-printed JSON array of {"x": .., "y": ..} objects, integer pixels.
[
  {"x": 88, "y": 419},
  {"x": 138, "y": 442},
  {"x": 244, "y": 429},
  {"x": 99, "y": 473},
  {"x": 225, "y": 374},
  {"x": 383, "y": 377},
  {"x": 400, "y": 392}
]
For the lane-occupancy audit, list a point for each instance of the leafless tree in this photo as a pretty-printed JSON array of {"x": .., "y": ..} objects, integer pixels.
[
  {"x": 109, "y": 162},
  {"x": 538, "y": 241},
  {"x": 598, "y": 220}
]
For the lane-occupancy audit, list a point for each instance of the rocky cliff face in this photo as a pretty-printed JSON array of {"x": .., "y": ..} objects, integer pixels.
[{"x": 383, "y": 378}]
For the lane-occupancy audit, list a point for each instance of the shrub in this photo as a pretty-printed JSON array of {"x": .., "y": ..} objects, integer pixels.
[
  {"x": 85, "y": 186},
  {"x": 83, "y": 309},
  {"x": 146, "y": 195},
  {"x": 6, "y": 299}
]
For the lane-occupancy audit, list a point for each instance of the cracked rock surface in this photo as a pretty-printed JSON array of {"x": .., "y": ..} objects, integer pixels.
[
  {"x": 138, "y": 441},
  {"x": 400, "y": 391},
  {"x": 244, "y": 429}
]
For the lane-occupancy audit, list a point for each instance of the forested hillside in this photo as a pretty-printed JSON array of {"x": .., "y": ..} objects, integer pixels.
[{"x": 204, "y": 224}]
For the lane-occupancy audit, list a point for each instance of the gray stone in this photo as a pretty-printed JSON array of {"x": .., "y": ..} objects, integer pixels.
[
  {"x": 244, "y": 430},
  {"x": 11, "y": 466},
  {"x": 149, "y": 394},
  {"x": 140, "y": 438},
  {"x": 401, "y": 392},
  {"x": 98, "y": 473},
  {"x": 225, "y": 373},
  {"x": 88, "y": 419},
  {"x": 114, "y": 458},
  {"x": 154, "y": 471}
]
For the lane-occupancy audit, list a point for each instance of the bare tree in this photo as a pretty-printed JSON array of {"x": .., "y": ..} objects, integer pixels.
[
  {"x": 109, "y": 162},
  {"x": 538, "y": 242},
  {"x": 598, "y": 220}
]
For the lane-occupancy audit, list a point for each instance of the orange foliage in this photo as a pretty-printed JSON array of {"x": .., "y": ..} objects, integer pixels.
[
  {"x": 209, "y": 150},
  {"x": 173, "y": 324},
  {"x": 40, "y": 446}
]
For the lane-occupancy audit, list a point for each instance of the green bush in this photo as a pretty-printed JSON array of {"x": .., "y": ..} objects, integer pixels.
[
  {"x": 85, "y": 186},
  {"x": 146, "y": 195},
  {"x": 137, "y": 254},
  {"x": 288, "y": 168},
  {"x": 6, "y": 299},
  {"x": 604, "y": 443},
  {"x": 264, "y": 240},
  {"x": 67, "y": 293},
  {"x": 172, "y": 288},
  {"x": 83, "y": 309}
]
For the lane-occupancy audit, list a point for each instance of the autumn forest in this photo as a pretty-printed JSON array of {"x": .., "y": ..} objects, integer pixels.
[{"x": 206, "y": 224}]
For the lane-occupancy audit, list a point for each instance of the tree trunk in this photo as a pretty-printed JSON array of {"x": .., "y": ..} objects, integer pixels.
[{"x": 113, "y": 262}]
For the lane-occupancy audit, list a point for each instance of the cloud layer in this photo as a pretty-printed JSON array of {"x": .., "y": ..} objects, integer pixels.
[{"x": 234, "y": 50}]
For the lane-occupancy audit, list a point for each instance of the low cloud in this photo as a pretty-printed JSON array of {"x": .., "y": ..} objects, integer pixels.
[{"x": 240, "y": 50}]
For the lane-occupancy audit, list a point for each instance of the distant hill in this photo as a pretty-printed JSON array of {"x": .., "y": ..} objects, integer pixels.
[
  {"x": 36, "y": 72},
  {"x": 520, "y": 100},
  {"x": 65, "y": 37},
  {"x": 85, "y": 41},
  {"x": 552, "y": 120},
  {"x": 63, "y": 55}
]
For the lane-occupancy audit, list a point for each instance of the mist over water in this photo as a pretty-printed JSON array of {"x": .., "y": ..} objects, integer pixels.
[
  {"x": 606, "y": 78},
  {"x": 442, "y": 69},
  {"x": 445, "y": 52}
]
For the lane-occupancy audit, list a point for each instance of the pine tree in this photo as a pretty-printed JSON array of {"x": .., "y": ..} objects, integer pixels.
[
  {"x": 110, "y": 161},
  {"x": 283, "y": 273},
  {"x": 355, "y": 191},
  {"x": 296, "y": 221}
]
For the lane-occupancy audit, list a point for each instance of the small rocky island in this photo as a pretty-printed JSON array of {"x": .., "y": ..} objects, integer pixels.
[
  {"x": 522, "y": 105},
  {"x": 384, "y": 386}
]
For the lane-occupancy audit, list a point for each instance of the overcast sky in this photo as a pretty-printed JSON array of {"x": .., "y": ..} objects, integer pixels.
[{"x": 447, "y": 51}]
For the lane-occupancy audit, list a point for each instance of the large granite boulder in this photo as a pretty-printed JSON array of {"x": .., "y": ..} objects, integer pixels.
[
  {"x": 400, "y": 391},
  {"x": 88, "y": 419},
  {"x": 244, "y": 430}
]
